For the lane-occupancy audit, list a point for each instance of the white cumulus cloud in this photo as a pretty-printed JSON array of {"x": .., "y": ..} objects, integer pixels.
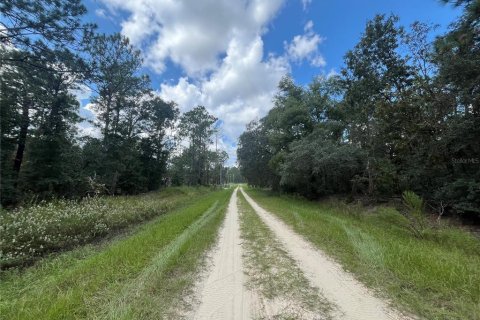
[
  {"x": 305, "y": 47},
  {"x": 240, "y": 90},
  {"x": 219, "y": 47},
  {"x": 193, "y": 33}
]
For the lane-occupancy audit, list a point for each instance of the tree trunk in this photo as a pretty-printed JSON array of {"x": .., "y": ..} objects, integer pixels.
[
  {"x": 116, "y": 119},
  {"x": 371, "y": 186},
  {"x": 113, "y": 185},
  {"x": 107, "y": 116},
  {"x": 22, "y": 138},
  {"x": 53, "y": 122}
]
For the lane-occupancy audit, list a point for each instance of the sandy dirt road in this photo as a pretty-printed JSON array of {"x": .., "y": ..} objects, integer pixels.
[
  {"x": 351, "y": 298},
  {"x": 223, "y": 294}
]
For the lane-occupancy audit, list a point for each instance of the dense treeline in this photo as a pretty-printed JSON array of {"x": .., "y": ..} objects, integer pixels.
[
  {"x": 197, "y": 164},
  {"x": 47, "y": 54},
  {"x": 403, "y": 114}
]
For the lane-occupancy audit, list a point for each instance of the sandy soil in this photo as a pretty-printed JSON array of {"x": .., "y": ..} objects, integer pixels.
[
  {"x": 223, "y": 294},
  {"x": 352, "y": 299}
]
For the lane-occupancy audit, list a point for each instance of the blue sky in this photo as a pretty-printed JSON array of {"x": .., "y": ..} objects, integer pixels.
[{"x": 229, "y": 54}]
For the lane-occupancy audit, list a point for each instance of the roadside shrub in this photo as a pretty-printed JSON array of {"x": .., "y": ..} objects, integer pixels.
[
  {"x": 415, "y": 213},
  {"x": 27, "y": 233}
]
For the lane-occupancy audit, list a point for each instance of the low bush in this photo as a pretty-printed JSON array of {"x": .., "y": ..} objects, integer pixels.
[
  {"x": 415, "y": 213},
  {"x": 27, "y": 233}
]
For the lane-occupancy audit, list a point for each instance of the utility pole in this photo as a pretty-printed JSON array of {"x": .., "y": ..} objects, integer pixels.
[{"x": 216, "y": 154}]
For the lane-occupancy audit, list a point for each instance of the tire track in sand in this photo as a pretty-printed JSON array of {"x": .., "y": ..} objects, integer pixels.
[
  {"x": 223, "y": 294},
  {"x": 353, "y": 300}
]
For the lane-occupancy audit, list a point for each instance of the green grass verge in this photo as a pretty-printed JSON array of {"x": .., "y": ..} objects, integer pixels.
[
  {"x": 274, "y": 275},
  {"x": 143, "y": 276},
  {"x": 29, "y": 233},
  {"x": 437, "y": 277}
]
